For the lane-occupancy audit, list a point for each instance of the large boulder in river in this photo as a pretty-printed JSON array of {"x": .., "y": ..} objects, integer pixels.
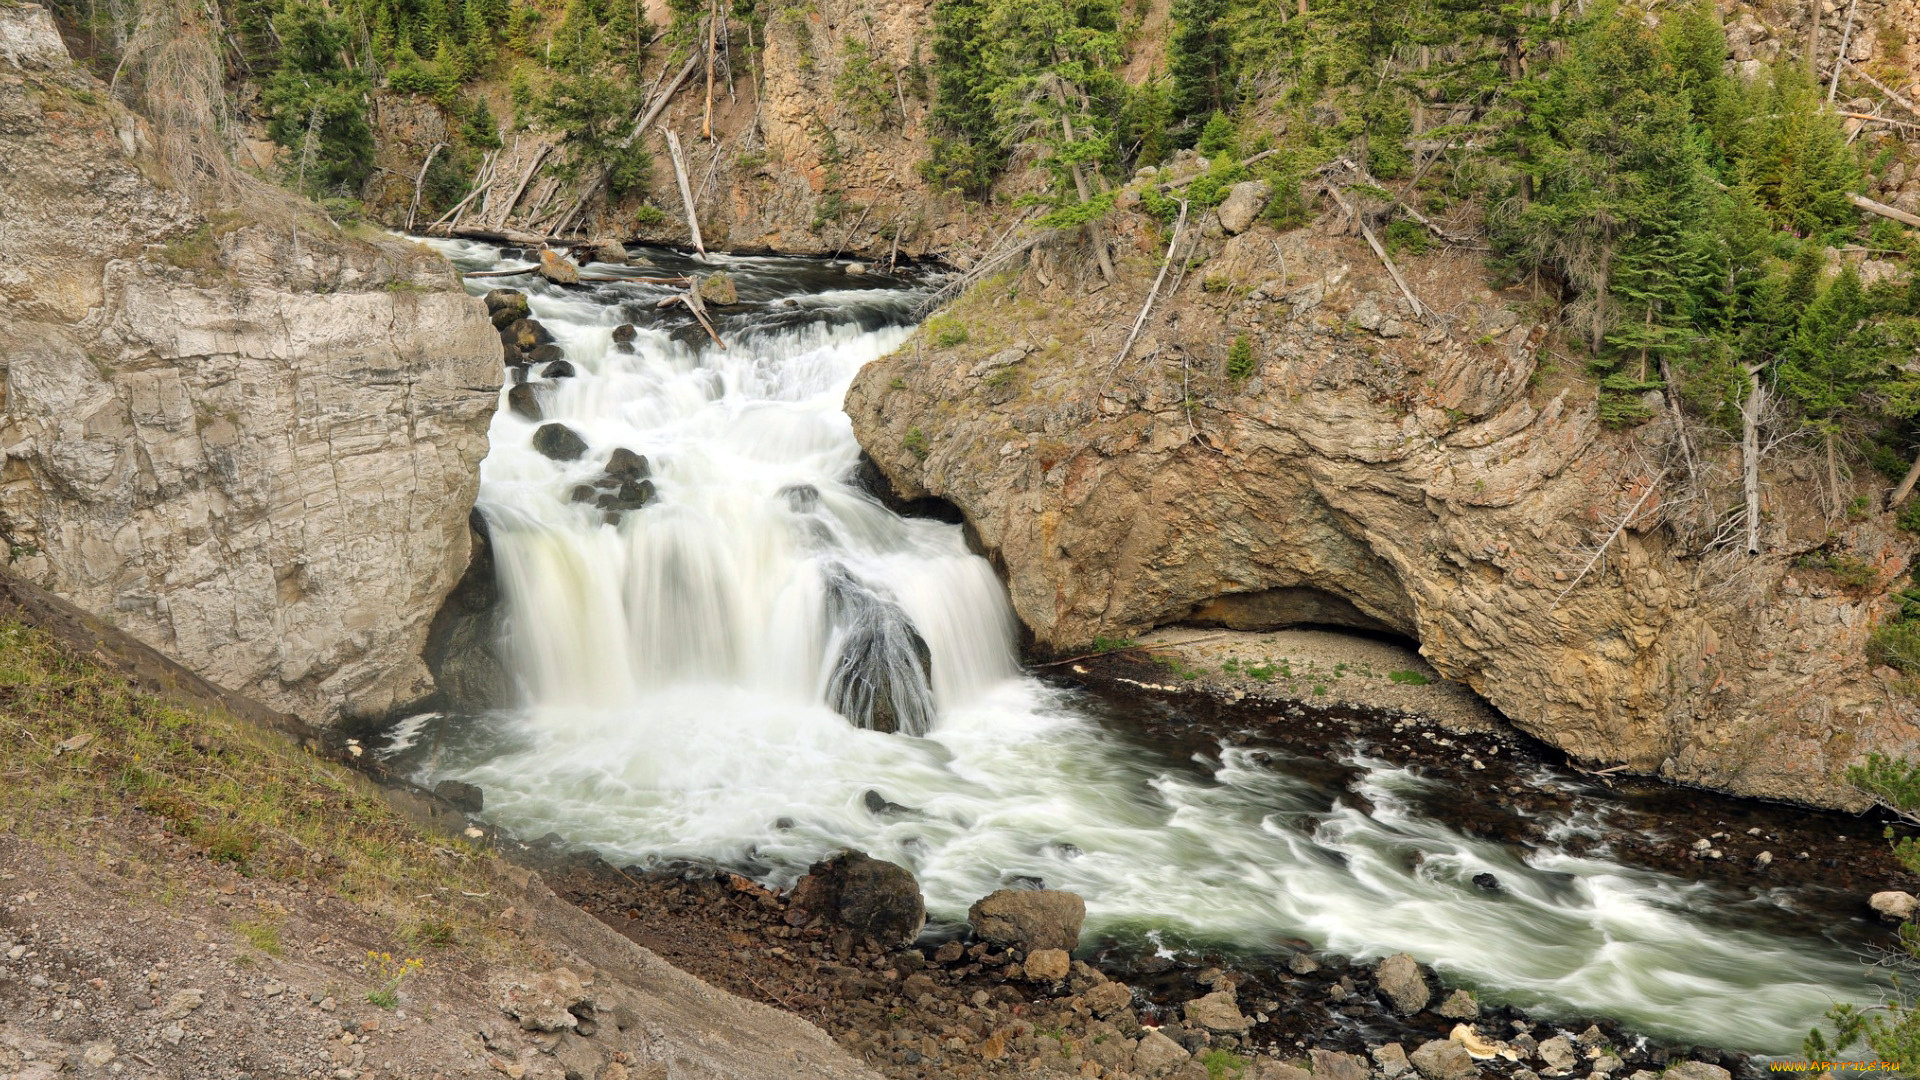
[
  {"x": 526, "y": 334},
  {"x": 505, "y": 306},
  {"x": 557, "y": 268},
  {"x": 624, "y": 464},
  {"x": 1893, "y": 905},
  {"x": 1029, "y": 919},
  {"x": 866, "y": 895},
  {"x": 1243, "y": 205},
  {"x": 718, "y": 288},
  {"x": 1400, "y": 980},
  {"x": 521, "y": 401},
  {"x": 559, "y": 442}
]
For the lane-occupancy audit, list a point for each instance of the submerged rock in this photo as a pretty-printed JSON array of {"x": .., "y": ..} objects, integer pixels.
[
  {"x": 625, "y": 332},
  {"x": 544, "y": 354},
  {"x": 863, "y": 894},
  {"x": 632, "y": 495},
  {"x": 559, "y": 369},
  {"x": 1029, "y": 919},
  {"x": 559, "y": 442},
  {"x": 882, "y": 679}
]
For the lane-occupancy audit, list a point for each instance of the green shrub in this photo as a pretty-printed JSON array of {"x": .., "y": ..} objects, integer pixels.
[
  {"x": 915, "y": 442},
  {"x": 1240, "y": 361},
  {"x": 946, "y": 331},
  {"x": 1408, "y": 678}
]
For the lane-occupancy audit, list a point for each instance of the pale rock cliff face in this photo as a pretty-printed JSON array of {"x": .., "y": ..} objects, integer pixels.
[
  {"x": 244, "y": 438},
  {"x": 1445, "y": 482}
]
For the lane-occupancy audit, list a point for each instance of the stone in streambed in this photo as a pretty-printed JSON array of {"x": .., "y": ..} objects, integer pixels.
[
  {"x": 559, "y": 369},
  {"x": 504, "y": 306},
  {"x": 1696, "y": 1070},
  {"x": 1218, "y": 1013},
  {"x": 557, "y": 268},
  {"x": 625, "y": 332},
  {"x": 1328, "y": 1065},
  {"x": 1108, "y": 998},
  {"x": 1444, "y": 1059},
  {"x": 559, "y": 442},
  {"x": 526, "y": 334},
  {"x": 718, "y": 288},
  {"x": 1392, "y": 1060},
  {"x": 1400, "y": 980},
  {"x": 1029, "y": 918},
  {"x": 583, "y": 494},
  {"x": 632, "y": 495},
  {"x": 522, "y": 401},
  {"x": 864, "y": 895},
  {"x": 544, "y": 354},
  {"x": 624, "y": 464},
  {"x": 1557, "y": 1053},
  {"x": 1459, "y": 1006},
  {"x": 464, "y": 797},
  {"x": 1893, "y": 905}
]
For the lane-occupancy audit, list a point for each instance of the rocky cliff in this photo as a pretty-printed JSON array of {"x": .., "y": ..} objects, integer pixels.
[
  {"x": 1288, "y": 443},
  {"x": 243, "y": 436}
]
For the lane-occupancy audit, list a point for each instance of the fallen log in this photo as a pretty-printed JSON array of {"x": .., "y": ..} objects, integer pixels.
[
  {"x": 507, "y": 213},
  {"x": 1419, "y": 311},
  {"x": 1889, "y": 212},
  {"x": 1153, "y": 294}
]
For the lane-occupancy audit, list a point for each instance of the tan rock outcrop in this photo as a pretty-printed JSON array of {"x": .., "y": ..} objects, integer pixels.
[
  {"x": 1446, "y": 484},
  {"x": 239, "y": 434}
]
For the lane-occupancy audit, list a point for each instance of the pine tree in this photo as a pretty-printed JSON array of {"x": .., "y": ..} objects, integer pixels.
[{"x": 1200, "y": 59}]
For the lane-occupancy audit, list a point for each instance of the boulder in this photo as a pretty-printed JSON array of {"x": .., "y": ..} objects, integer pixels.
[
  {"x": 545, "y": 1002},
  {"x": 1243, "y": 205},
  {"x": 1157, "y": 1055},
  {"x": 557, "y": 268},
  {"x": 1329, "y": 1065},
  {"x": 559, "y": 442},
  {"x": 544, "y": 354},
  {"x": 1696, "y": 1070},
  {"x": 467, "y": 798},
  {"x": 624, "y": 464},
  {"x": 1893, "y": 905},
  {"x": 624, "y": 332},
  {"x": 855, "y": 269},
  {"x": 559, "y": 369},
  {"x": 631, "y": 495},
  {"x": 526, "y": 334},
  {"x": 522, "y": 401},
  {"x": 1443, "y": 1059},
  {"x": 1029, "y": 919},
  {"x": 1392, "y": 1060},
  {"x": 718, "y": 288},
  {"x": 609, "y": 251},
  {"x": 504, "y": 306},
  {"x": 1269, "y": 1069},
  {"x": 582, "y": 494},
  {"x": 1048, "y": 965},
  {"x": 1558, "y": 1053},
  {"x": 1218, "y": 1013},
  {"x": 1459, "y": 1005},
  {"x": 1400, "y": 981},
  {"x": 863, "y": 894},
  {"x": 1108, "y": 998}
]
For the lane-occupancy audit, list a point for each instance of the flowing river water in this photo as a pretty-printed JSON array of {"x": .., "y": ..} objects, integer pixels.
[{"x": 688, "y": 669}]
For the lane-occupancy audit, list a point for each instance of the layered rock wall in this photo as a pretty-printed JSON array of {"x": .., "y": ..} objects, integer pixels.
[
  {"x": 248, "y": 439},
  {"x": 1448, "y": 481}
]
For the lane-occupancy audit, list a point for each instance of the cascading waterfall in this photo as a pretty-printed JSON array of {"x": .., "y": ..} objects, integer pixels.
[{"x": 764, "y": 664}]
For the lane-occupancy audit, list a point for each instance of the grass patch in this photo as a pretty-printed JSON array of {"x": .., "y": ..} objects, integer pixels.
[
  {"x": 915, "y": 442},
  {"x": 78, "y": 744},
  {"x": 1408, "y": 678},
  {"x": 1224, "y": 1065},
  {"x": 1112, "y": 644},
  {"x": 262, "y": 935},
  {"x": 946, "y": 331}
]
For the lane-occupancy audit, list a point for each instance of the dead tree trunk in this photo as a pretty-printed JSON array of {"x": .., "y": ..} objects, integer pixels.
[
  {"x": 686, "y": 193},
  {"x": 1750, "y": 412}
]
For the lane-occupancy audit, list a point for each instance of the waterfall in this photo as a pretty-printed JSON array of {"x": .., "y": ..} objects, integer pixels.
[{"x": 735, "y": 669}]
